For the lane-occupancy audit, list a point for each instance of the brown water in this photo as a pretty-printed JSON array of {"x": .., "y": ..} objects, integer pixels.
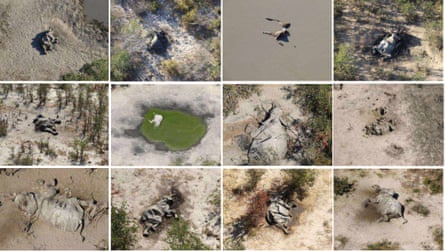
[
  {"x": 96, "y": 9},
  {"x": 251, "y": 55}
]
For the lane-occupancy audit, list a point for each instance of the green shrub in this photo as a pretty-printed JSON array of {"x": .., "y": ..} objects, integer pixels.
[
  {"x": 421, "y": 209},
  {"x": 171, "y": 67},
  {"x": 438, "y": 237},
  {"x": 299, "y": 181},
  {"x": 409, "y": 10},
  {"x": 434, "y": 181},
  {"x": 344, "y": 68},
  {"x": 96, "y": 70},
  {"x": 342, "y": 185},
  {"x": 123, "y": 230},
  {"x": 4, "y": 124},
  {"x": 434, "y": 34},
  {"x": 120, "y": 66},
  {"x": 383, "y": 245},
  {"x": 179, "y": 237}
]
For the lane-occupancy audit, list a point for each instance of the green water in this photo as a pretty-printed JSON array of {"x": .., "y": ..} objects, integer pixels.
[{"x": 178, "y": 130}]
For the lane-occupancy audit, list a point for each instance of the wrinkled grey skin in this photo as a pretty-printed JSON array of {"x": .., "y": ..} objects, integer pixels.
[
  {"x": 62, "y": 211},
  {"x": 44, "y": 124},
  {"x": 279, "y": 214},
  {"x": 154, "y": 215},
  {"x": 387, "y": 204}
]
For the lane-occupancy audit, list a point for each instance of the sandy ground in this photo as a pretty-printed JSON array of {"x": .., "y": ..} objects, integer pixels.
[
  {"x": 128, "y": 113},
  {"x": 248, "y": 112},
  {"x": 312, "y": 230},
  {"x": 418, "y": 114},
  {"x": 360, "y": 29},
  {"x": 21, "y": 130},
  {"x": 250, "y": 55},
  {"x": 359, "y": 225},
  {"x": 82, "y": 183},
  {"x": 21, "y": 61},
  {"x": 140, "y": 188}
]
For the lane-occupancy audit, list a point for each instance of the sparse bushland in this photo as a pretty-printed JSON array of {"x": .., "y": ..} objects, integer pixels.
[
  {"x": 123, "y": 230},
  {"x": 180, "y": 237},
  {"x": 298, "y": 182},
  {"x": 172, "y": 68},
  {"x": 96, "y": 70},
  {"x": 344, "y": 68},
  {"x": 433, "y": 181},
  {"x": 438, "y": 237},
  {"x": 4, "y": 124},
  {"x": 233, "y": 93},
  {"x": 421, "y": 209}
]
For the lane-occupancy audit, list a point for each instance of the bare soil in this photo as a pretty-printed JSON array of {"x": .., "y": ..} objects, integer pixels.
[
  {"x": 417, "y": 114},
  {"x": 355, "y": 226},
  {"x": 311, "y": 229},
  {"x": 141, "y": 188},
  {"x": 359, "y": 27},
  {"x": 21, "y": 56},
  {"x": 81, "y": 182}
]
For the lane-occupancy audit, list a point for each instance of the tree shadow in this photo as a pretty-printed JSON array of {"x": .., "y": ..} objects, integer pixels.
[{"x": 36, "y": 42}]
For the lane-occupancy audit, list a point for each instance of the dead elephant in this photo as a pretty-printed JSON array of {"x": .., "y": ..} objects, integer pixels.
[
  {"x": 67, "y": 213},
  {"x": 155, "y": 214},
  {"x": 279, "y": 213},
  {"x": 387, "y": 204},
  {"x": 44, "y": 124}
]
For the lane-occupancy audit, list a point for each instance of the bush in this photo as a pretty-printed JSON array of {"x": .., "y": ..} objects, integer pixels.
[
  {"x": 120, "y": 66},
  {"x": 434, "y": 181},
  {"x": 4, "y": 124},
  {"x": 179, "y": 237},
  {"x": 122, "y": 229},
  {"x": 254, "y": 175},
  {"x": 409, "y": 10},
  {"x": 383, "y": 245},
  {"x": 232, "y": 94},
  {"x": 299, "y": 182},
  {"x": 344, "y": 68},
  {"x": 171, "y": 67},
  {"x": 421, "y": 209}
]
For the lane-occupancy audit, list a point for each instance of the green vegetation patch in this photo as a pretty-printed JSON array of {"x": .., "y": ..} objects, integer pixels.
[
  {"x": 383, "y": 245},
  {"x": 123, "y": 230},
  {"x": 177, "y": 130}
]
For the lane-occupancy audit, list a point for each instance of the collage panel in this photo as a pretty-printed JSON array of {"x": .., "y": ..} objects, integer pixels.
[
  {"x": 277, "y": 124},
  {"x": 54, "y": 124},
  {"x": 53, "y": 209},
  {"x": 280, "y": 40},
  {"x": 388, "y": 40},
  {"x": 277, "y": 209},
  {"x": 160, "y": 40},
  {"x": 166, "y": 209},
  {"x": 166, "y": 125},
  {"x": 54, "y": 40},
  {"x": 388, "y": 209},
  {"x": 388, "y": 124}
]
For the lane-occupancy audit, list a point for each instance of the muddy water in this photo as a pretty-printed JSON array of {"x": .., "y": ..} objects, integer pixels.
[
  {"x": 251, "y": 55},
  {"x": 96, "y": 9}
]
